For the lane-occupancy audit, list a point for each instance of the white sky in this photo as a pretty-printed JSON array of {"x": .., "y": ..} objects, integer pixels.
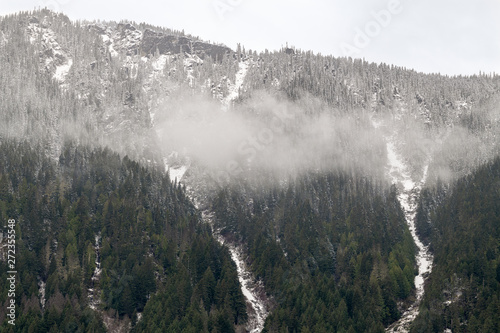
[{"x": 446, "y": 36}]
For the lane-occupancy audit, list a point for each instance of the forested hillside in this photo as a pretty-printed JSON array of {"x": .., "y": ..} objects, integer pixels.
[
  {"x": 463, "y": 226},
  {"x": 94, "y": 208},
  {"x": 141, "y": 163},
  {"x": 332, "y": 248}
]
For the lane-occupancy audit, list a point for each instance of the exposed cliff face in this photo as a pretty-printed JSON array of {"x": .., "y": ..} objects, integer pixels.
[
  {"x": 132, "y": 41},
  {"x": 55, "y": 60},
  {"x": 168, "y": 44}
]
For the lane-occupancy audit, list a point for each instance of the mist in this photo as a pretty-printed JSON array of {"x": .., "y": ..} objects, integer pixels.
[
  {"x": 466, "y": 140},
  {"x": 268, "y": 134},
  {"x": 271, "y": 135}
]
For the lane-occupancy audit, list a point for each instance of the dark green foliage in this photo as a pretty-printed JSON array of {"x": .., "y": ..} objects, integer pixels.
[
  {"x": 464, "y": 287},
  {"x": 333, "y": 249},
  {"x": 154, "y": 254}
]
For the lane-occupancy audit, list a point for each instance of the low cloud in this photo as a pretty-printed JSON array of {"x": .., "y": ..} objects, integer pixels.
[{"x": 271, "y": 135}]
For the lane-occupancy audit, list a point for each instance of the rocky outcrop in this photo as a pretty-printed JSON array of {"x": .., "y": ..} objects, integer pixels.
[
  {"x": 155, "y": 42},
  {"x": 128, "y": 39},
  {"x": 215, "y": 51}
]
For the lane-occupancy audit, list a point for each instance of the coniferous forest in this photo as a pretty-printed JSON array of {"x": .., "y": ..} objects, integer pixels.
[
  {"x": 333, "y": 249},
  {"x": 162, "y": 183},
  {"x": 154, "y": 254},
  {"x": 464, "y": 288}
]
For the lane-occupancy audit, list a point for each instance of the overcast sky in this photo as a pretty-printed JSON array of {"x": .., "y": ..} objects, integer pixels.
[{"x": 446, "y": 36}]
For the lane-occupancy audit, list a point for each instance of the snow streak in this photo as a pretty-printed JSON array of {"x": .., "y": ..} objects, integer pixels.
[
  {"x": 252, "y": 289},
  {"x": 93, "y": 293},
  {"x": 234, "y": 89},
  {"x": 408, "y": 194}
]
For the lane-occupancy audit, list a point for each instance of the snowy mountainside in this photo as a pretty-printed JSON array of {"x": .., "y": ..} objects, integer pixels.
[
  {"x": 219, "y": 121},
  {"x": 126, "y": 38},
  {"x": 53, "y": 58},
  {"x": 116, "y": 77}
]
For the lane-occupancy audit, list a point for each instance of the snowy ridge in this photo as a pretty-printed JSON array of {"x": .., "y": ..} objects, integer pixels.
[
  {"x": 128, "y": 38},
  {"x": 124, "y": 38}
]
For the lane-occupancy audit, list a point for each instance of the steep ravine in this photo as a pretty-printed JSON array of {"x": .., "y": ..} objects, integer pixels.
[
  {"x": 252, "y": 289},
  {"x": 408, "y": 194}
]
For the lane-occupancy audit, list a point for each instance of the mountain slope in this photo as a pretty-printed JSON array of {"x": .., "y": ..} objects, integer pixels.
[
  {"x": 464, "y": 286},
  {"x": 152, "y": 245},
  {"x": 278, "y": 148}
]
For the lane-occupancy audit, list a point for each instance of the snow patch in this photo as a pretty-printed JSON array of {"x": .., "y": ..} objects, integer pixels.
[
  {"x": 63, "y": 70},
  {"x": 53, "y": 56},
  {"x": 234, "y": 89},
  {"x": 175, "y": 168},
  {"x": 108, "y": 41},
  {"x": 41, "y": 292},
  {"x": 159, "y": 64},
  {"x": 177, "y": 173},
  {"x": 93, "y": 293}
]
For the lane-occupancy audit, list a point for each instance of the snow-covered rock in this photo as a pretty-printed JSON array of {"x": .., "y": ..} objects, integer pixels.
[{"x": 56, "y": 60}]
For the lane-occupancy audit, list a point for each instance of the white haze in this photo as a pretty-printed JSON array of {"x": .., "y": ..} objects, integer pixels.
[{"x": 270, "y": 135}]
